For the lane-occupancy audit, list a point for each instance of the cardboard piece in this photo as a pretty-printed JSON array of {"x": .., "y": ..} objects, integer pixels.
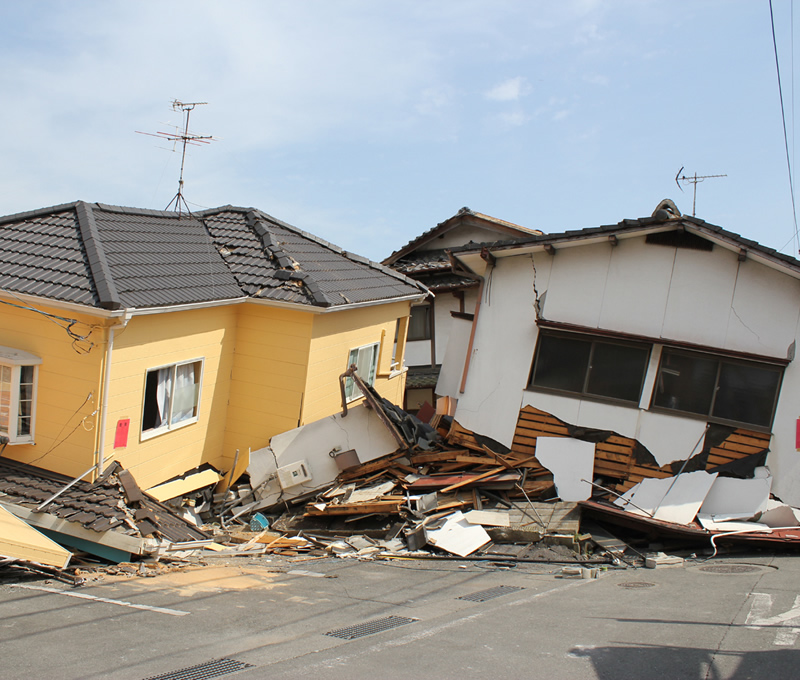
[
  {"x": 458, "y": 536},
  {"x": 672, "y": 499},
  {"x": 777, "y": 514},
  {"x": 571, "y": 461}
]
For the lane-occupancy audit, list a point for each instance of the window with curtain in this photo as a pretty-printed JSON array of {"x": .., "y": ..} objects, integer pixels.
[
  {"x": 18, "y": 377},
  {"x": 419, "y": 325},
  {"x": 171, "y": 396},
  {"x": 365, "y": 360}
]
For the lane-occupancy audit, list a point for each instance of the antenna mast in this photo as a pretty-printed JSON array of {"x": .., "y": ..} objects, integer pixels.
[
  {"x": 694, "y": 180},
  {"x": 184, "y": 137}
]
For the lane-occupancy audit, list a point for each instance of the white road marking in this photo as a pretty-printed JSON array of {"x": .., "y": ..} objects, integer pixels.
[
  {"x": 787, "y": 624},
  {"x": 121, "y": 603}
]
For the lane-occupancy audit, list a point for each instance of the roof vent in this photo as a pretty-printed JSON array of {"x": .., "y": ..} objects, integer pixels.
[{"x": 666, "y": 210}]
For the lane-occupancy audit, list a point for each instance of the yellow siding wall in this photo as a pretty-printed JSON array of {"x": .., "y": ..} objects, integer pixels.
[
  {"x": 269, "y": 375},
  {"x": 156, "y": 340},
  {"x": 64, "y": 426},
  {"x": 335, "y": 334}
]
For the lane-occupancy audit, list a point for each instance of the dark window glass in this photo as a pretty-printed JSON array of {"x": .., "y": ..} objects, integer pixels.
[
  {"x": 585, "y": 365},
  {"x": 738, "y": 391},
  {"x": 617, "y": 371},
  {"x": 561, "y": 363},
  {"x": 747, "y": 393},
  {"x": 419, "y": 325},
  {"x": 686, "y": 382}
]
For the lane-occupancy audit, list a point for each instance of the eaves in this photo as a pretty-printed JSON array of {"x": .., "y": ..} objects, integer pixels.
[{"x": 109, "y": 538}]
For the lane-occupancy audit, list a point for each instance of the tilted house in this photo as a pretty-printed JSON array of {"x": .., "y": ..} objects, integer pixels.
[
  {"x": 425, "y": 259},
  {"x": 663, "y": 333},
  {"x": 166, "y": 341}
]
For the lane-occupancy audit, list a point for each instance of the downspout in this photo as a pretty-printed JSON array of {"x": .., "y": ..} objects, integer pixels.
[
  {"x": 467, "y": 359},
  {"x": 100, "y": 455}
]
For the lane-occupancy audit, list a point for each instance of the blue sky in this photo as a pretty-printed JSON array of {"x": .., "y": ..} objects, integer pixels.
[{"x": 368, "y": 122}]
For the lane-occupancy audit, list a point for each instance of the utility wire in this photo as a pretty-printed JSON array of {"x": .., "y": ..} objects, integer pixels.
[{"x": 783, "y": 118}]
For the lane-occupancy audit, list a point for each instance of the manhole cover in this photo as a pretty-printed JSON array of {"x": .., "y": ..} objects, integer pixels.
[
  {"x": 636, "y": 584},
  {"x": 730, "y": 569},
  {"x": 370, "y": 627},
  {"x": 483, "y": 595},
  {"x": 210, "y": 669}
]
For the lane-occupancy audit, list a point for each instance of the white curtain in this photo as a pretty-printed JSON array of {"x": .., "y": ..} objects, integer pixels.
[
  {"x": 162, "y": 396},
  {"x": 184, "y": 399}
]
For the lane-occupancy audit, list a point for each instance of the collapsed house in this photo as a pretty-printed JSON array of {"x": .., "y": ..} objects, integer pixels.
[
  {"x": 665, "y": 344},
  {"x": 643, "y": 372},
  {"x": 425, "y": 259}
]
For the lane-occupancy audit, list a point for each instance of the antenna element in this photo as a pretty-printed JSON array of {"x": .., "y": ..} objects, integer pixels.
[
  {"x": 694, "y": 180},
  {"x": 184, "y": 137}
]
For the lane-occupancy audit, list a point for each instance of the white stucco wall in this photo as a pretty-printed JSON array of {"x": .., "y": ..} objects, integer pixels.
[
  {"x": 503, "y": 349},
  {"x": 700, "y": 297}
]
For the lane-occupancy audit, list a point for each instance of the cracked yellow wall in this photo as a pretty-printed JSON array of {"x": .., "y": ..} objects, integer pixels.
[
  {"x": 268, "y": 376},
  {"x": 150, "y": 341},
  {"x": 334, "y": 335},
  {"x": 64, "y": 425}
]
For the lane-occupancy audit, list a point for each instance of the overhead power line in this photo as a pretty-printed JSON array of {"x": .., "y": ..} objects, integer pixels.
[{"x": 785, "y": 135}]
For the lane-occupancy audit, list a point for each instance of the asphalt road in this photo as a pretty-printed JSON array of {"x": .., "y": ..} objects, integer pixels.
[{"x": 730, "y": 618}]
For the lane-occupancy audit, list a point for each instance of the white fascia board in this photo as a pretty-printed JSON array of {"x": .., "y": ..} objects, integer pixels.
[
  {"x": 145, "y": 311},
  {"x": 108, "y": 538},
  {"x": 23, "y": 298},
  {"x": 754, "y": 255}
]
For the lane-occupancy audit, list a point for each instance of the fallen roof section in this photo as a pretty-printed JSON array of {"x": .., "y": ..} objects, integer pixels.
[
  {"x": 107, "y": 518},
  {"x": 20, "y": 541}
]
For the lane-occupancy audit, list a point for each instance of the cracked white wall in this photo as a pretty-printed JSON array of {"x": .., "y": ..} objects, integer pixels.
[
  {"x": 676, "y": 294},
  {"x": 361, "y": 430}
]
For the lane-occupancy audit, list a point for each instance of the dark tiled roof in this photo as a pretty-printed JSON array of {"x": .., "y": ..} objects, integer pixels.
[
  {"x": 465, "y": 214},
  {"x": 100, "y": 506},
  {"x": 111, "y": 257},
  {"x": 419, "y": 377},
  {"x": 446, "y": 281},
  {"x": 659, "y": 220}
]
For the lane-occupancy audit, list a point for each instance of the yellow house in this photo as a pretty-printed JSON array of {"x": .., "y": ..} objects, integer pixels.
[{"x": 166, "y": 341}]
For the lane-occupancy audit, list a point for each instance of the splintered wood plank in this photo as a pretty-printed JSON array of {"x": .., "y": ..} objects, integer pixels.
[
  {"x": 446, "y": 456},
  {"x": 373, "y": 466},
  {"x": 471, "y": 479},
  {"x": 615, "y": 449},
  {"x": 368, "y": 508}
]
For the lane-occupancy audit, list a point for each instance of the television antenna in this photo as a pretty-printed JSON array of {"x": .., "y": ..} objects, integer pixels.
[
  {"x": 694, "y": 180},
  {"x": 185, "y": 138}
]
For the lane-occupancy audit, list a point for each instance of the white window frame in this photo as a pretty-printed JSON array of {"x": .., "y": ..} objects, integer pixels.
[
  {"x": 12, "y": 361},
  {"x": 170, "y": 424},
  {"x": 356, "y": 356}
]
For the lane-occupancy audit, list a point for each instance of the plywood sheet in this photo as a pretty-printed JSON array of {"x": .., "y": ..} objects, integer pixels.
[{"x": 164, "y": 492}]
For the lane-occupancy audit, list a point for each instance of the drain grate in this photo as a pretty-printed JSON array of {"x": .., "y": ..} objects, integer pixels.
[
  {"x": 636, "y": 584},
  {"x": 483, "y": 595},
  {"x": 730, "y": 569},
  {"x": 370, "y": 627},
  {"x": 210, "y": 669}
]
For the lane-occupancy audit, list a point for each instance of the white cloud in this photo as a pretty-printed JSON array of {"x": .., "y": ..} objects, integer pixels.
[{"x": 510, "y": 90}]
